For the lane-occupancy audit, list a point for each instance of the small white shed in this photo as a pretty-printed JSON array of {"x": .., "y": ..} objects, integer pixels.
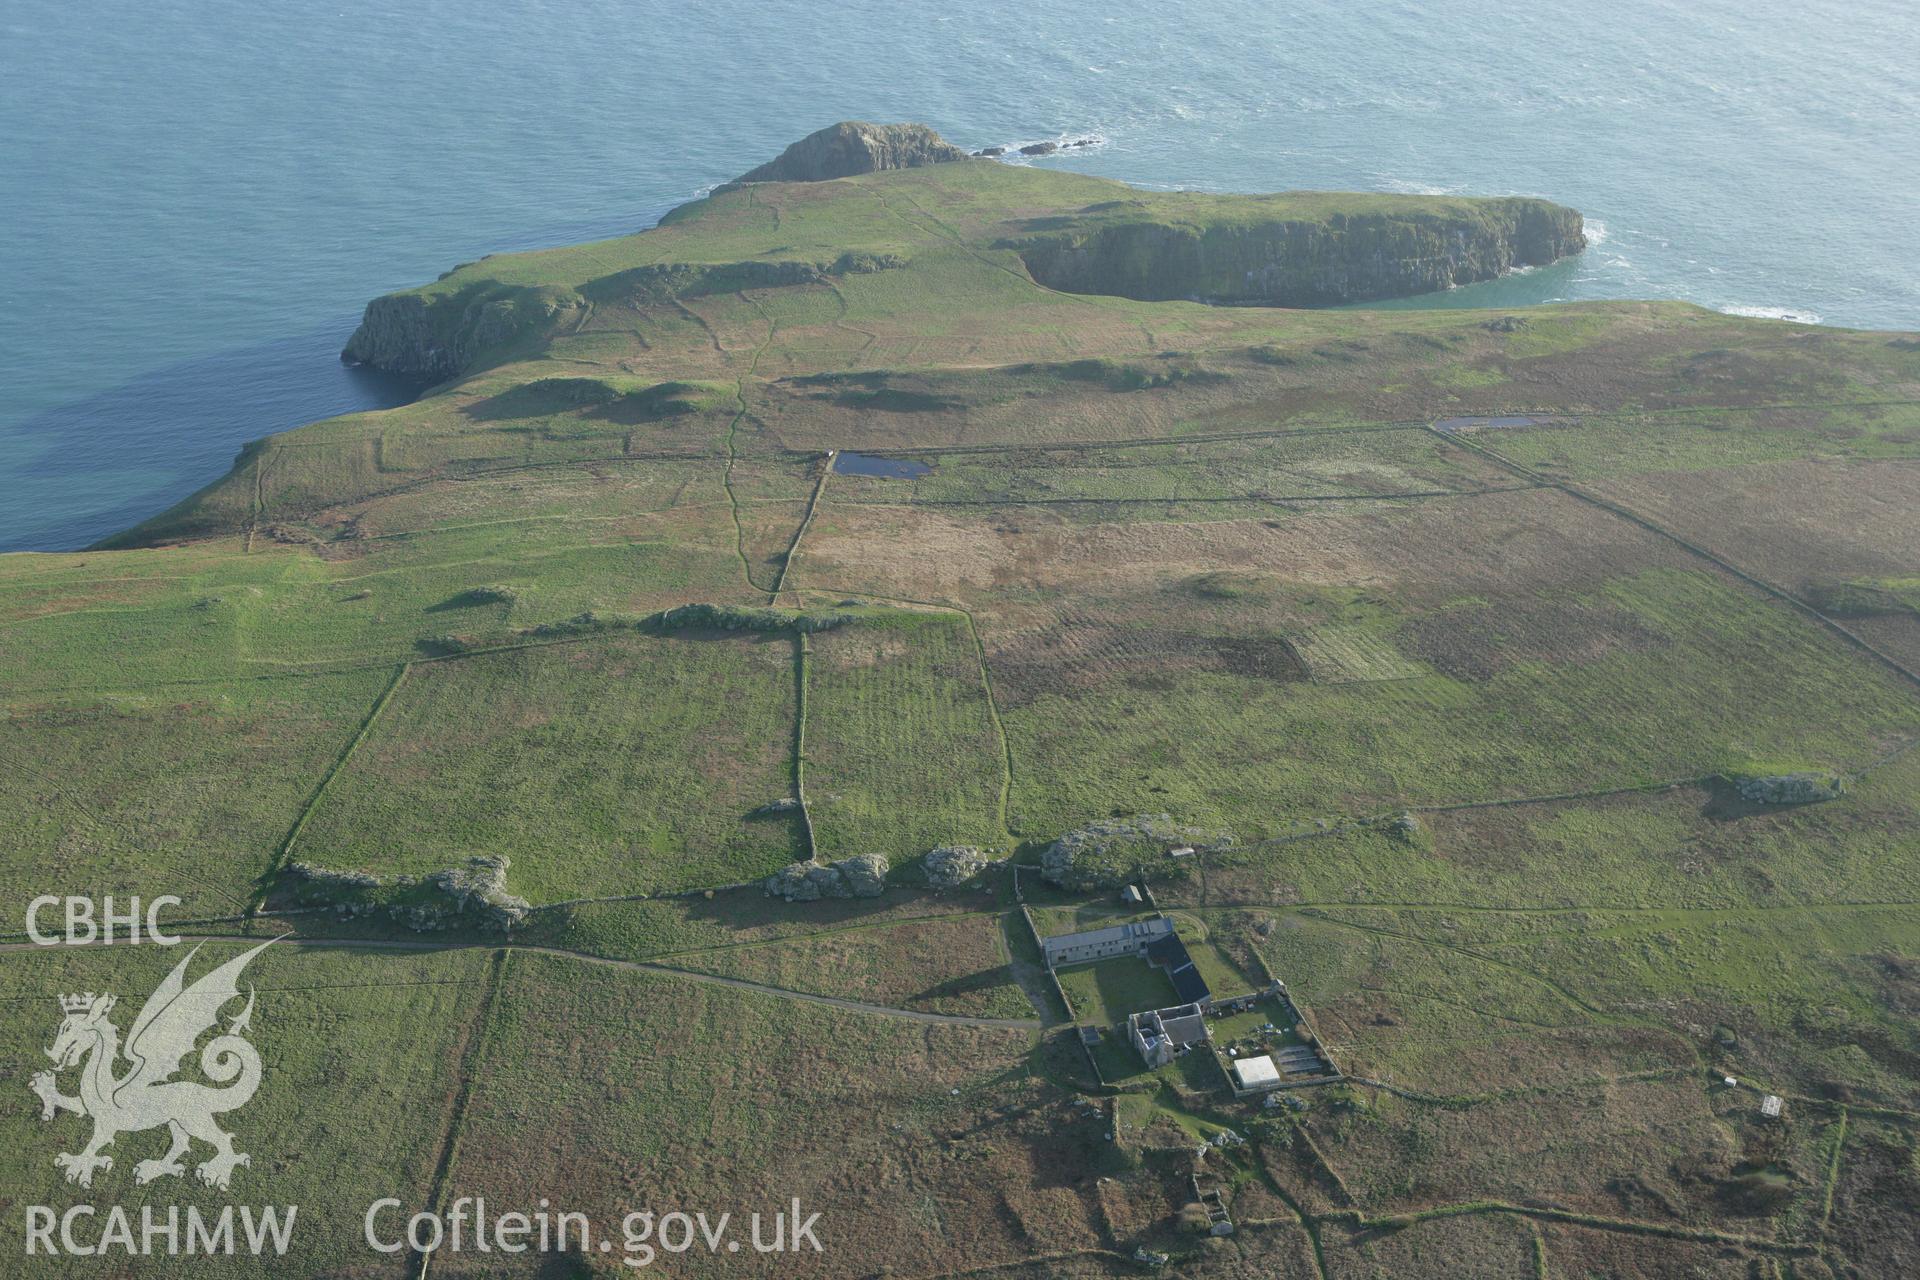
[{"x": 1256, "y": 1073}]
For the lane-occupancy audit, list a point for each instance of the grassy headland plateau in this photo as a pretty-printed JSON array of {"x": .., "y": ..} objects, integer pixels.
[{"x": 1471, "y": 648}]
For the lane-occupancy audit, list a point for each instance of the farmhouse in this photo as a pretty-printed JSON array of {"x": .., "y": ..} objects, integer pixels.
[
  {"x": 1159, "y": 1034},
  {"x": 1131, "y": 939},
  {"x": 1154, "y": 940}
]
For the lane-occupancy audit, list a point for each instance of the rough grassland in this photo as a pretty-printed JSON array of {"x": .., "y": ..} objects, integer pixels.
[
  {"x": 902, "y": 753},
  {"x": 622, "y": 764},
  {"x": 957, "y": 964},
  {"x": 620, "y": 1091},
  {"x": 1696, "y": 848},
  {"x": 357, "y": 1093},
  {"x": 667, "y": 928},
  {"x": 1580, "y": 629},
  {"x": 190, "y": 791},
  {"x": 1129, "y": 483}
]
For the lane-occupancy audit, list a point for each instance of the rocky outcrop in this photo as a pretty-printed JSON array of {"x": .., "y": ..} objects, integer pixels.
[
  {"x": 480, "y": 885},
  {"x": 471, "y": 894},
  {"x": 1112, "y": 851},
  {"x": 733, "y": 617},
  {"x": 952, "y": 865},
  {"x": 1038, "y": 148},
  {"x": 1793, "y": 788},
  {"x": 865, "y": 874},
  {"x": 441, "y": 335},
  {"x": 861, "y": 876},
  {"x": 853, "y": 147},
  {"x": 1253, "y": 258}
]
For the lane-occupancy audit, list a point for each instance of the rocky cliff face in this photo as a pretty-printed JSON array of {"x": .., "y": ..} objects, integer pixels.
[
  {"x": 441, "y": 336},
  {"x": 854, "y": 146},
  {"x": 444, "y": 335},
  {"x": 1302, "y": 262}
]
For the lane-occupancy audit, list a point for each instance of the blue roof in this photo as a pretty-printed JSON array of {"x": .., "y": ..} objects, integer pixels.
[
  {"x": 1171, "y": 954},
  {"x": 1168, "y": 951},
  {"x": 1188, "y": 983}
]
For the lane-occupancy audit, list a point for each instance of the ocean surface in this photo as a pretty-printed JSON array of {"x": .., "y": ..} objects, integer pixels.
[{"x": 198, "y": 196}]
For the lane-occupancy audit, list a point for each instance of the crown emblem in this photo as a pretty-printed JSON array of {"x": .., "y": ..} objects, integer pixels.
[{"x": 76, "y": 1004}]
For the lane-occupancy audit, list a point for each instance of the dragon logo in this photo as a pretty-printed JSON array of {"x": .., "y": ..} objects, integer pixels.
[{"x": 146, "y": 1095}]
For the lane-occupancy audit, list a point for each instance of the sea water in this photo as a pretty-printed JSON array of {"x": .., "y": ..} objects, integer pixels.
[{"x": 198, "y": 196}]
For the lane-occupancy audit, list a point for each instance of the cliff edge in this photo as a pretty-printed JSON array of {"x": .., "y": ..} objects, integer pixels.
[
  {"x": 1306, "y": 249},
  {"x": 1073, "y": 233}
]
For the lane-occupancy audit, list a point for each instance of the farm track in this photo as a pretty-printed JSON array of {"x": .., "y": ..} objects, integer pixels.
[
  {"x": 1601, "y": 909},
  {"x": 1246, "y": 500},
  {"x": 1358, "y": 1222},
  {"x": 1305, "y": 427},
  {"x": 733, "y": 431},
  {"x": 1833, "y": 1169},
  {"x": 631, "y": 966}
]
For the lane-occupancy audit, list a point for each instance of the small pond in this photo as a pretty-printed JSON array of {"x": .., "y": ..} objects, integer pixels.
[
  {"x": 1468, "y": 424},
  {"x": 872, "y": 464}
]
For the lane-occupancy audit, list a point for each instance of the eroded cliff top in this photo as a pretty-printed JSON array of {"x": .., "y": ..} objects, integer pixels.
[{"x": 854, "y": 147}]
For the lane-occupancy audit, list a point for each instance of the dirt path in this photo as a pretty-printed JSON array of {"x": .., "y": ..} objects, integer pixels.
[{"x": 637, "y": 966}]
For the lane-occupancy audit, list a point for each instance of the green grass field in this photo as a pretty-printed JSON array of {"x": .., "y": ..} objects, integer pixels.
[
  {"x": 1104, "y": 992},
  {"x": 190, "y": 791},
  {"x": 902, "y": 750},
  {"x": 621, "y": 764}
]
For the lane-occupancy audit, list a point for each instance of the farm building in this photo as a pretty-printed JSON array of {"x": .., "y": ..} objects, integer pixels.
[
  {"x": 1160, "y": 1033},
  {"x": 1129, "y": 939},
  {"x": 1207, "y": 1194},
  {"x": 1250, "y": 1074},
  {"x": 1170, "y": 953}
]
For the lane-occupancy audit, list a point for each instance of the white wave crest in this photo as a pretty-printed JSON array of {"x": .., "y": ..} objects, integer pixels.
[
  {"x": 1406, "y": 187},
  {"x": 1772, "y": 313},
  {"x": 1066, "y": 144}
]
